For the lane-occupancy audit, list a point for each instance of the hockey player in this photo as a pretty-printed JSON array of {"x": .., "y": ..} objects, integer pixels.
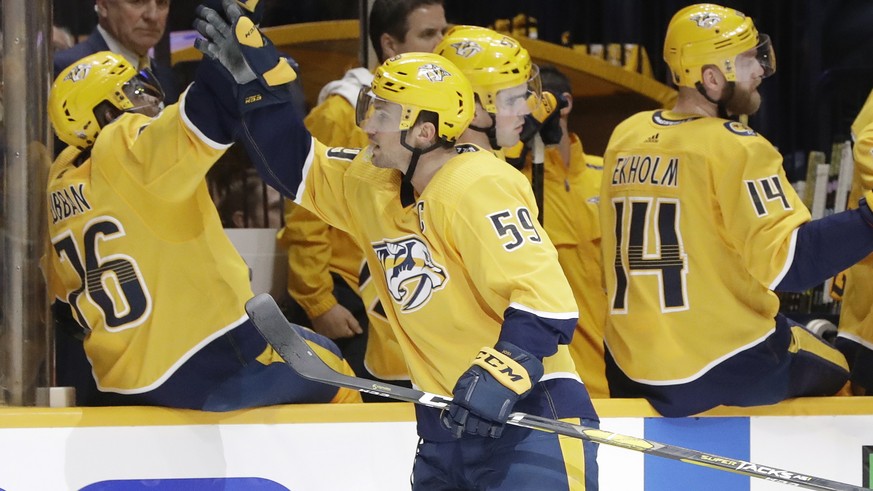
[
  {"x": 461, "y": 268},
  {"x": 496, "y": 64},
  {"x": 701, "y": 225},
  {"x": 327, "y": 275},
  {"x": 138, "y": 253},
  {"x": 855, "y": 336}
]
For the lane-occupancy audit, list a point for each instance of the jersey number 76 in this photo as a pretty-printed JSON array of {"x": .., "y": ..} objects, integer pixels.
[{"x": 113, "y": 284}]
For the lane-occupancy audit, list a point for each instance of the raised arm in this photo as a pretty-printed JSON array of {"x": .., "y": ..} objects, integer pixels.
[{"x": 251, "y": 83}]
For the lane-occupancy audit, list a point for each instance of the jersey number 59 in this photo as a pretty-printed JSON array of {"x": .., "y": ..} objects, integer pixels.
[{"x": 517, "y": 228}]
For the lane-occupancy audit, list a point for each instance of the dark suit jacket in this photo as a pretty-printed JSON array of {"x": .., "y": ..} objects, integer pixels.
[{"x": 96, "y": 43}]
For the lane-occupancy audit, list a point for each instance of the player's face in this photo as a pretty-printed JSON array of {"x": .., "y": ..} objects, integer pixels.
[
  {"x": 426, "y": 26},
  {"x": 145, "y": 94},
  {"x": 136, "y": 24},
  {"x": 382, "y": 125},
  {"x": 512, "y": 107},
  {"x": 750, "y": 73}
]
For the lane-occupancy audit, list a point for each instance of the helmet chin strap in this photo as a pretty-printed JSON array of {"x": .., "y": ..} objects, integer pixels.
[
  {"x": 407, "y": 191},
  {"x": 726, "y": 95},
  {"x": 490, "y": 132}
]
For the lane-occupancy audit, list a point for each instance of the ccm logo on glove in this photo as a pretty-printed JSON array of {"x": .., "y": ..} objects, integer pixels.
[{"x": 507, "y": 371}]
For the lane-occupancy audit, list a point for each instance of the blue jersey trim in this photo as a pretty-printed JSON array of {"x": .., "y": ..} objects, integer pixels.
[{"x": 827, "y": 246}]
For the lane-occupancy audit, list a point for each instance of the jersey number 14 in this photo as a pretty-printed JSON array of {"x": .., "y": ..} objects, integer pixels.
[{"x": 660, "y": 254}]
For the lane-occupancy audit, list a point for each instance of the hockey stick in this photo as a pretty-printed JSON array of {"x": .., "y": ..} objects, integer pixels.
[
  {"x": 537, "y": 172},
  {"x": 270, "y": 321}
]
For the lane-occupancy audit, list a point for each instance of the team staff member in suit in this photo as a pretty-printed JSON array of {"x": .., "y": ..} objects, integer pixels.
[
  {"x": 461, "y": 267},
  {"x": 138, "y": 253},
  {"x": 700, "y": 226},
  {"x": 855, "y": 335},
  {"x": 327, "y": 275},
  {"x": 129, "y": 28}
]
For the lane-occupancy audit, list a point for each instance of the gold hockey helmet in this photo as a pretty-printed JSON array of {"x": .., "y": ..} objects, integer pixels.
[
  {"x": 101, "y": 80},
  {"x": 419, "y": 82},
  {"x": 708, "y": 34},
  {"x": 491, "y": 61}
]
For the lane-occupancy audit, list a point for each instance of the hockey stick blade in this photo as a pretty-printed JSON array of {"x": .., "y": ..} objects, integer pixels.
[{"x": 282, "y": 335}]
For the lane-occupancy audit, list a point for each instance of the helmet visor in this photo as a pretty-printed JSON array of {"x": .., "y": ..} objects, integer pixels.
[
  {"x": 521, "y": 99},
  {"x": 765, "y": 55},
  {"x": 145, "y": 93},
  {"x": 374, "y": 114},
  {"x": 756, "y": 63}
]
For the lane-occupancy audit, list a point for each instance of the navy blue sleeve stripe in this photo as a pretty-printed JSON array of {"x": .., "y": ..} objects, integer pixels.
[
  {"x": 827, "y": 246},
  {"x": 536, "y": 334}
]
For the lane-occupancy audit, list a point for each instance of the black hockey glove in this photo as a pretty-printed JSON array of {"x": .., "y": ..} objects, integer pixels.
[
  {"x": 544, "y": 119},
  {"x": 248, "y": 57},
  {"x": 486, "y": 393}
]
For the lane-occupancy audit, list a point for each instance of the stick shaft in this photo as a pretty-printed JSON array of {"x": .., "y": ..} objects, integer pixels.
[{"x": 269, "y": 320}]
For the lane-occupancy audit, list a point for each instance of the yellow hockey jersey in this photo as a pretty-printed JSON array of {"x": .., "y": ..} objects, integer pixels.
[
  {"x": 123, "y": 234},
  {"x": 454, "y": 263},
  {"x": 572, "y": 219},
  {"x": 864, "y": 117},
  {"x": 316, "y": 249},
  {"x": 698, "y": 225},
  {"x": 856, "y": 315}
]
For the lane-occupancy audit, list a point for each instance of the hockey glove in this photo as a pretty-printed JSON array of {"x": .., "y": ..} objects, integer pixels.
[
  {"x": 486, "y": 393},
  {"x": 544, "y": 119},
  {"x": 253, "y": 9},
  {"x": 250, "y": 59}
]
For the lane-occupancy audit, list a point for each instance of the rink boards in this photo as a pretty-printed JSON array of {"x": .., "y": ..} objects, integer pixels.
[{"x": 370, "y": 447}]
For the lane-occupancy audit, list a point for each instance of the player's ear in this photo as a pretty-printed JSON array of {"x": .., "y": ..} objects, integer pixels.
[
  {"x": 711, "y": 77},
  {"x": 569, "y": 100},
  {"x": 481, "y": 117},
  {"x": 389, "y": 45},
  {"x": 425, "y": 134},
  {"x": 100, "y": 8}
]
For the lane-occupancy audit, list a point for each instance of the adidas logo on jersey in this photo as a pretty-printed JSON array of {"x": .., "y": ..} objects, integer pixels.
[{"x": 652, "y": 139}]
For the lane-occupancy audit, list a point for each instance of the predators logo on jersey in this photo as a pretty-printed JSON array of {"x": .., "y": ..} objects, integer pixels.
[{"x": 410, "y": 271}]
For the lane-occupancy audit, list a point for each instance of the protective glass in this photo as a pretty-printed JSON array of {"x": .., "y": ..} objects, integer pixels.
[
  {"x": 374, "y": 114},
  {"x": 521, "y": 99},
  {"x": 144, "y": 92}
]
